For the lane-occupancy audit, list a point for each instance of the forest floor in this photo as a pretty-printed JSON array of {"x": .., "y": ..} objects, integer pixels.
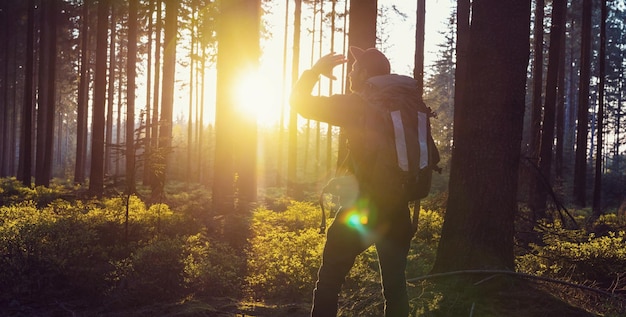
[{"x": 490, "y": 297}]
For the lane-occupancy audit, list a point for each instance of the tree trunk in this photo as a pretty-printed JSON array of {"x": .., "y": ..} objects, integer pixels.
[
  {"x": 27, "y": 115},
  {"x": 536, "y": 106},
  {"x": 462, "y": 46},
  {"x": 538, "y": 205},
  {"x": 4, "y": 56},
  {"x": 152, "y": 159},
  {"x": 10, "y": 65},
  {"x": 281, "y": 120},
  {"x": 329, "y": 128},
  {"x": 45, "y": 114},
  {"x": 418, "y": 71},
  {"x": 108, "y": 143},
  {"x": 580, "y": 165},
  {"x": 478, "y": 227},
  {"x": 51, "y": 49},
  {"x": 191, "y": 96},
  {"x": 96, "y": 176},
  {"x": 83, "y": 98},
  {"x": 202, "y": 161},
  {"x": 42, "y": 95},
  {"x": 560, "y": 112},
  {"x": 362, "y": 32},
  {"x": 147, "y": 122},
  {"x": 292, "y": 156},
  {"x": 131, "y": 74},
  {"x": 239, "y": 51},
  {"x": 167, "y": 95},
  {"x": 597, "y": 184},
  {"x": 118, "y": 139}
]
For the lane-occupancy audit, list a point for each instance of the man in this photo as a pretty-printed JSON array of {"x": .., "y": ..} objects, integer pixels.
[{"x": 374, "y": 214}]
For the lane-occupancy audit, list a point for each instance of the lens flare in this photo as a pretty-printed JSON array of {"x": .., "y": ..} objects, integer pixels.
[{"x": 357, "y": 218}]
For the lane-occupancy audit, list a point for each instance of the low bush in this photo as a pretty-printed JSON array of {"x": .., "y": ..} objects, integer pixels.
[
  {"x": 285, "y": 251},
  {"x": 578, "y": 256},
  {"x": 212, "y": 268}
]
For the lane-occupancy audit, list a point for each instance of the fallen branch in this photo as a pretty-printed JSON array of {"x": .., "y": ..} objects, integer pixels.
[{"x": 517, "y": 274}]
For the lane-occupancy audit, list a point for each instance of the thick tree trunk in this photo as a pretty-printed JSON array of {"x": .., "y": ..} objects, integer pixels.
[
  {"x": 167, "y": 95},
  {"x": 27, "y": 114},
  {"x": 235, "y": 158},
  {"x": 96, "y": 176},
  {"x": 580, "y": 166},
  {"x": 83, "y": 98},
  {"x": 462, "y": 43},
  {"x": 45, "y": 114},
  {"x": 362, "y": 32},
  {"x": 478, "y": 227},
  {"x": 131, "y": 74},
  {"x": 597, "y": 184},
  {"x": 536, "y": 103},
  {"x": 538, "y": 200}
]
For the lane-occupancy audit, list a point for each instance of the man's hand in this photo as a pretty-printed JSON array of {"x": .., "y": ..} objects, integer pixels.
[{"x": 326, "y": 63}]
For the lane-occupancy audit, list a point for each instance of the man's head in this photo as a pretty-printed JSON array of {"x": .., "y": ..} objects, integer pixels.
[{"x": 368, "y": 63}]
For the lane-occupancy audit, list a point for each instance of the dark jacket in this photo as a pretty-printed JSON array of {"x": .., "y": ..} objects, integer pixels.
[
  {"x": 338, "y": 110},
  {"x": 355, "y": 113}
]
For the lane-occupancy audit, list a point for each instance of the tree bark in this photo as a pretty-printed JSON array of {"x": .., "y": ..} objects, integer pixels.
[
  {"x": 108, "y": 142},
  {"x": 418, "y": 71},
  {"x": 131, "y": 74},
  {"x": 83, "y": 98},
  {"x": 27, "y": 114},
  {"x": 239, "y": 51},
  {"x": 538, "y": 205},
  {"x": 597, "y": 184},
  {"x": 292, "y": 156},
  {"x": 192, "y": 28},
  {"x": 154, "y": 126},
  {"x": 478, "y": 227},
  {"x": 147, "y": 123},
  {"x": 536, "y": 106},
  {"x": 167, "y": 95},
  {"x": 462, "y": 43},
  {"x": 560, "y": 112},
  {"x": 362, "y": 33},
  {"x": 46, "y": 113},
  {"x": 96, "y": 176},
  {"x": 582, "y": 129}
]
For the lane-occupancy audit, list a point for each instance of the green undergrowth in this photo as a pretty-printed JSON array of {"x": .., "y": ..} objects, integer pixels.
[{"x": 65, "y": 254}]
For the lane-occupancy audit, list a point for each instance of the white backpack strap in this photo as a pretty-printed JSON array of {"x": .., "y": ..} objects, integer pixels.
[
  {"x": 422, "y": 134},
  {"x": 400, "y": 139}
]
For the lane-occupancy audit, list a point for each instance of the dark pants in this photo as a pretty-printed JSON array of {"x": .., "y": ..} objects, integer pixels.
[{"x": 390, "y": 231}]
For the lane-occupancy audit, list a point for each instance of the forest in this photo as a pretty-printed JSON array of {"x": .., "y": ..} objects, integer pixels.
[{"x": 150, "y": 164}]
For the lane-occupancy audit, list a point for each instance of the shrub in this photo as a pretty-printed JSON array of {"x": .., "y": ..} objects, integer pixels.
[
  {"x": 283, "y": 264},
  {"x": 298, "y": 216},
  {"x": 211, "y": 268},
  {"x": 285, "y": 252},
  {"x": 424, "y": 246},
  {"x": 575, "y": 255},
  {"x": 44, "y": 250},
  {"x": 153, "y": 272}
]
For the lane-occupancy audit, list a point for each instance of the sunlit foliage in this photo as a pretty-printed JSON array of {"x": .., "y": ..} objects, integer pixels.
[{"x": 175, "y": 251}]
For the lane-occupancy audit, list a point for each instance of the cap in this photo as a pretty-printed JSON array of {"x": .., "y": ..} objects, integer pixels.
[{"x": 371, "y": 59}]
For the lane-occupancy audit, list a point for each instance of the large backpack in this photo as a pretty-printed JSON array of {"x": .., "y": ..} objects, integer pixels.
[
  {"x": 395, "y": 154},
  {"x": 392, "y": 151}
]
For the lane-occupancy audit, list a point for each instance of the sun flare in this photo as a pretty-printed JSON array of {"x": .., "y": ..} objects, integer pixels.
[{"x": 257, "y": 95}]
